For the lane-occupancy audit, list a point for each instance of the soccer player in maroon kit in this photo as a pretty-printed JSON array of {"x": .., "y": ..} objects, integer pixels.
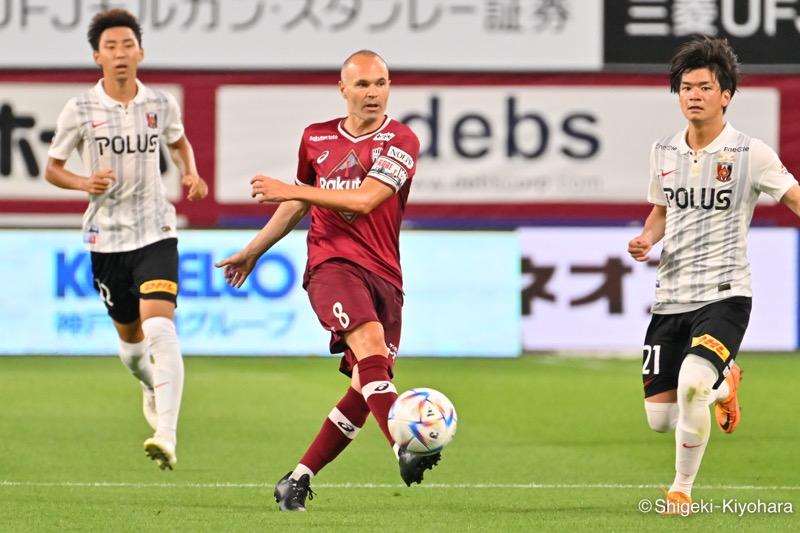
[{"x": 353, "y": 176}]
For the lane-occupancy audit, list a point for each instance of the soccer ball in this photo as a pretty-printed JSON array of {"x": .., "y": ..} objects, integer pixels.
[{"x": 422, "y": 421}]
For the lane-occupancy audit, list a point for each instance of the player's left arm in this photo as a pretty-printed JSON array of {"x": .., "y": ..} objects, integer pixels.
[
  {"x": 791, "y": 199},
  {"x": 362, "y": 201},
  {"x": 390, "y": 171},
  {"x": 182, "y": 155}
]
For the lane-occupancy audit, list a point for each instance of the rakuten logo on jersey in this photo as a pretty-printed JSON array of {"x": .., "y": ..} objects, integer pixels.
[
  {"x": 127, "y": 144},
  {"x": 339, "y": 183},
  {"x": 316, "y": 138}
]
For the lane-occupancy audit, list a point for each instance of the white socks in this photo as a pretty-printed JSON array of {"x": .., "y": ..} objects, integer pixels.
[
  {"x": 695, "y": 395},
  {"x": 662, "y": 417},
  {"x": 136, "y": 359},
  {"x": 300, "y": 470},
  {"x": 162, "y": 339}
]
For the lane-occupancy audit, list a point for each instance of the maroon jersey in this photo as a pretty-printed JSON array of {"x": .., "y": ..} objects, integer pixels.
[{"x": 331, "y": 158}]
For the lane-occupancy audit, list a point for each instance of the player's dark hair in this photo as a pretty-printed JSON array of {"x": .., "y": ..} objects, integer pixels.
[
  {"x": 704, "y": 52},
  {"x": 112, "y": 18}
]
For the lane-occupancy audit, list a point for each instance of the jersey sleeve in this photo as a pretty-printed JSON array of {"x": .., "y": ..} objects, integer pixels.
[
  {"x": 655, "y": 191},
  {"x": 769, "y": 174},
  {"x": 67, "y": 136},
  {"x": 305, "y": 170},
  {"x": 173, "y": 125},
  {"x": 397, "y": 162}
]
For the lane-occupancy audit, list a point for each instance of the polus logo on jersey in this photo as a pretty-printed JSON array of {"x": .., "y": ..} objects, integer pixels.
[
  {"x": 129, "y": 144},
  {"x": 724, "y": 167}
]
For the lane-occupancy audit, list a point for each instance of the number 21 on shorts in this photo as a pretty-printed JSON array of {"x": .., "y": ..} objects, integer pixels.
[{"x": 652, "y": 360}]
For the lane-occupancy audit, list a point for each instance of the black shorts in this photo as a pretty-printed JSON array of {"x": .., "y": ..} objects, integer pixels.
[
  {"x": 713, "y": 332},
  {"x": 123, "y": 278},
  {"x": 344, "y": 296}
]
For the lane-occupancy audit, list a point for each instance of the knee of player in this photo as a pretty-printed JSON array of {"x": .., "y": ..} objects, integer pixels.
[{"x": 661, "y": 417}]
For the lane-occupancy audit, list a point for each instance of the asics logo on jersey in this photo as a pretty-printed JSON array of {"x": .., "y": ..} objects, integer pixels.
[
  {"x": 127, "y": 144},
  {"x": 347, "y": 428},
  {"x": 323, "y": 156},
  {"x": 699, "y": 198},
  {"x": 98, "y": 124}
]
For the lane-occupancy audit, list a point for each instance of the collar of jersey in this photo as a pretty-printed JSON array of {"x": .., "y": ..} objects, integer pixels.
[
  {"x": 110, "y": 102},
  {"x": 715, "y": 146}
]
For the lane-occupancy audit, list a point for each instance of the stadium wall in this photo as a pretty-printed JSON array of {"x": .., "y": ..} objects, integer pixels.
[{"x": 500, "y": 150}]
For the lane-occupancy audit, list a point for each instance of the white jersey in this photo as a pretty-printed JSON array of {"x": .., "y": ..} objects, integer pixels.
[
  {"x": 134, "y": 211},
  {"x": 710, "y": 197}
]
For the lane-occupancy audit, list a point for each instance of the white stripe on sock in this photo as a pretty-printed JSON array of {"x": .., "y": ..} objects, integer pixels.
[{"x": 343, "y": 423}]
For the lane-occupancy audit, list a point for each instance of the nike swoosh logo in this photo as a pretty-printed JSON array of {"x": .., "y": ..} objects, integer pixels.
[
  {"x": 161, "y": 385},
  {"x": 727, "y": 423},
  {"x": 667, "y": 173},
  {"x": 690, "y": 447},
  {"x": 648, "y": 382},
  {"x": 98, "y": 124}
]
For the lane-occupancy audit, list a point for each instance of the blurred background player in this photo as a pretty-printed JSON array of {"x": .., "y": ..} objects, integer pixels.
[
  {"x": 354, "y": 175},
  {"x": 129, "y": 227},
  {"x": 704, "y": 183}
]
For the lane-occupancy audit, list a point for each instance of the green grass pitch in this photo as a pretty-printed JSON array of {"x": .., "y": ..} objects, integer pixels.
[{"x": 544, "y": 444}]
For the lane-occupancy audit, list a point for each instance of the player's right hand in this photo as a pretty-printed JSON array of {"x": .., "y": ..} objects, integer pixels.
[
  {"x": 100, "y": 181},
  {"x": 639, "y": 248},
  {"x": 236, "y": 268}
]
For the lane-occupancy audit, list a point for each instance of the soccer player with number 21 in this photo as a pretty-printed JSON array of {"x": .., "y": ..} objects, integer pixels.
[{"x": 704, "y": 183}]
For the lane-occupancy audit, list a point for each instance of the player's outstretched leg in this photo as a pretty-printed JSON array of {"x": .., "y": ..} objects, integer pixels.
[
  {"x": 413, "y": 466},
  {"x": 727, "y": 411},
  {"x": 292, "y": 493}
]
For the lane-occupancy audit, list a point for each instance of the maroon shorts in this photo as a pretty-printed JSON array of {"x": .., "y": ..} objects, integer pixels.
[{"x": 344, "y": 296}]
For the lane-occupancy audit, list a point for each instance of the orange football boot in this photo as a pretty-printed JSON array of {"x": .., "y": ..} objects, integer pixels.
[
  {"x": 676, "y": 503},
  {"x": 728, "y": 411}
]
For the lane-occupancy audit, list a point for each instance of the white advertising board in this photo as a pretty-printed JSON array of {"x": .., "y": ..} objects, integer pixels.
[
  {"x": 582, "y": 291},
  {"x": 483, "y": 144},
  {"x": 454, "y": 297},
  {"x": 28, "y": 116},
  {"x": 437, "y": 35}
]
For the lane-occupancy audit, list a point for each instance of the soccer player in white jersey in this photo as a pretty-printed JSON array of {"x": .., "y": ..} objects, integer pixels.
[
  {"x": 704, "y": 183},
  {"x": 118, "y": 126}
]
